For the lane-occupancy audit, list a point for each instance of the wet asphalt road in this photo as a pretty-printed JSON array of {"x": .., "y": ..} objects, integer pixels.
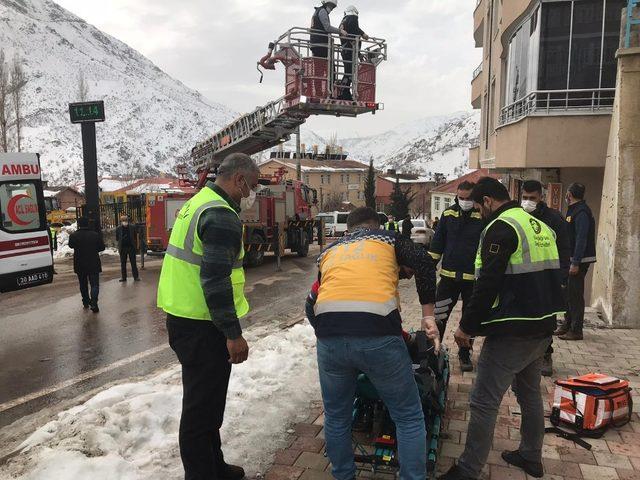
[{"x": 52, "y": 350}]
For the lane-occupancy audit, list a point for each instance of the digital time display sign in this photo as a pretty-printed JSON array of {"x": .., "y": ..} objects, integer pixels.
[{"x": 86, "y": 112}]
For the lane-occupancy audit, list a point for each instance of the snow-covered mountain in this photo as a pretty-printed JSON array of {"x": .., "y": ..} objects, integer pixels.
[
  {"x": 428, "y": 146},
  {"x": 151, "y": 118}
]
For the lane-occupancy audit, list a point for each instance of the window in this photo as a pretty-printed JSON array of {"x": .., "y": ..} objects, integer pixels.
[
  {"x": 348, "y": 178},
  {"x": 359, "y": 179},
  {"x": 437, "y": 204},
  {"x": 447, "y": 203},
  {"x": 577, "y": 46},
  {"x": 307, "y": 179},
  {"x": 328, "y": 179},
  {"x": 19, "y": 207},
  {"x": 360, "y": 195},
  {"x": 342, "y": 217},
  {"x": 521, "y": 70}
]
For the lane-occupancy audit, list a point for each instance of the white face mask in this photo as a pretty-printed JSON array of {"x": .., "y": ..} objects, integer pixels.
[
  {"x": 465, "y": 205},
  {"x": 247, "y": 202},
  {"x": 529, "y": 205}
]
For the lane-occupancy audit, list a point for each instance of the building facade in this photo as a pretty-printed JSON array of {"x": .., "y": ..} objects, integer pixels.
[
  {"x": 336, "y": 181},
  {"x": 420, "y": 206},
  {"x": 546, "y": 88}
]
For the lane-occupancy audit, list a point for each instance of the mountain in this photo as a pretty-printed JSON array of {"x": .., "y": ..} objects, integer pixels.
[
  {"x": 151, "y": 118},
  {"x": 433, "y": 145}
]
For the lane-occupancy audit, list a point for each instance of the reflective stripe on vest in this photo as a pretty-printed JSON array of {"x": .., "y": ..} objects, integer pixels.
[{"x": 179, "y": 289}]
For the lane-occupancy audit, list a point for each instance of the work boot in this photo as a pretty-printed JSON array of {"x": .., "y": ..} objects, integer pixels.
[
  {"x": 547, "y": 365},
  {"x": 137, "y": 279},
  {"x": 464, "y": 356},
  {"x": 230, "y": 472},
  {"x": 122, "y": 280},
  {"x": 514, "y": 458},
  {"x": 570, "y": 336},
  {"x": 95, "y": 309},
  {"x": 561, "y": 330},
  {"x": 455, "y": 473}
]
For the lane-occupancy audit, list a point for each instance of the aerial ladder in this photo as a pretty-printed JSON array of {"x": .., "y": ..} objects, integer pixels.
[
  {"x": 281, "y": 219},
  {"x": 312, "y": 87}
]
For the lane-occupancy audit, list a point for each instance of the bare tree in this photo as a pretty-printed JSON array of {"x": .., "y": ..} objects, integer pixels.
[
  {"x": 83, "y": 88},
  {"x": 333, "y": 203},
  {"x": 18, "y": 82},
  {"x": 4, "y": 98}
]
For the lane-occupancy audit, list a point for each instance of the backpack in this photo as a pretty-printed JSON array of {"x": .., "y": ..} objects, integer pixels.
[{"x": 591, "y": 403}]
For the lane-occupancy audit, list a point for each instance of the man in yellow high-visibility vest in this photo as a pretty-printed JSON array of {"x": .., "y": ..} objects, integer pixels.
[{"x": 202, "y": 291}]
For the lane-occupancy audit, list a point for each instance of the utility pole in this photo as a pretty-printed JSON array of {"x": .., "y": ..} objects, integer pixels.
[{"x": 87, "y": 114}]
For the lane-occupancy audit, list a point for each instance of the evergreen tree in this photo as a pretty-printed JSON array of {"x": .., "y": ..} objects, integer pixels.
[
  {"x": 401, "y": 201},
  {"x": 370, "y": 186}
]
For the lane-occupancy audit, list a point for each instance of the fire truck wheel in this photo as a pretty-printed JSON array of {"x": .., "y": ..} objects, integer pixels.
[
  {"x": 255, "y": 258},
  {"x": 303, "y": 248}
]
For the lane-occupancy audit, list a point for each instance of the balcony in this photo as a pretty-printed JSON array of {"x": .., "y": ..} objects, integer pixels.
[
  {"x": 559, "y": 102},
  {"x": 573, "y": 139},
  {"x": 477, "y": 87},
  {"x": 478, "y": 22}
]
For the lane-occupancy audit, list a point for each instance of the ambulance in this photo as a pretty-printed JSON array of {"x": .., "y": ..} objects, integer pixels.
[{"x": 25, "y": 245}]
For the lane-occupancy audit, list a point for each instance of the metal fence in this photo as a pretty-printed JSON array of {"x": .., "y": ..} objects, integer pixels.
[
  {"x": 548, "y": 102},
  {"x": 110, "y": 213}
]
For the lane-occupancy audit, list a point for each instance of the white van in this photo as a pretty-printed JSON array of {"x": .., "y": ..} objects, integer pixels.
[{"x": 335, "y": 223}]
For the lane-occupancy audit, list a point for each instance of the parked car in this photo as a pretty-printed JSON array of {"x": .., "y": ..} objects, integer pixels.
[
  {"x": 421, "y": 233},
  {"x": 335, "y": 223}
]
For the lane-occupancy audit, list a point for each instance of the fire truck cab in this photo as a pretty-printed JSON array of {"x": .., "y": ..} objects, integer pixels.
[{"x": 25, "y": 244}]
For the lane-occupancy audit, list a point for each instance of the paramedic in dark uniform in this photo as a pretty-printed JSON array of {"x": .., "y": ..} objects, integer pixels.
[{"x": 515, "y": 300}]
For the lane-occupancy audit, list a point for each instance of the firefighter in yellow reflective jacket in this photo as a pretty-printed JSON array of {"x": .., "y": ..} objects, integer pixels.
[
  {"x": 202, "y": 291},
  {"x": 514, "y": 304}
]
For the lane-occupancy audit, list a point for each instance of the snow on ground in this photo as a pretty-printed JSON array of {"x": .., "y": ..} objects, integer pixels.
[
  {"x": 130, "y": 431},
  {"x": 64, "y": 251}
]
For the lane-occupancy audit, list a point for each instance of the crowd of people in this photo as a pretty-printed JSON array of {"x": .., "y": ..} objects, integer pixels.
[{"x": 516, "y": 266}]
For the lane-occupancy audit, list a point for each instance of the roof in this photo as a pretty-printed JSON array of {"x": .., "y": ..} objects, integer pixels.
[
  {"x": 53, "y": 191},
  {"x": 408, "y": 180},
  {"x": 150, "y": 185},
  {"x": 474, "y": 176},
  {"x": 323, "y": 165}
]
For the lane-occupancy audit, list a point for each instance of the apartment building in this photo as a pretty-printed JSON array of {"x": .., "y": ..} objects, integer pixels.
[
  {"x": 333, "y": 180},
  {"x": 546, "y": 88}
]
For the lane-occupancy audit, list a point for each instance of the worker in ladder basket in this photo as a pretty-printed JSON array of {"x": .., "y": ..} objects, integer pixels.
[
  {"x": 351, "y": 25},
  {"x": 321, "y": 24}
]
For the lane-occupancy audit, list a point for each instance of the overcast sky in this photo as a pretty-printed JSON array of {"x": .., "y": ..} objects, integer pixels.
[{"x": 213, "y": 46}]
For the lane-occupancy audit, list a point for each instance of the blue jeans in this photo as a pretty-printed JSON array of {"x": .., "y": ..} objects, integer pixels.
[{"x": 386, "y": 361}]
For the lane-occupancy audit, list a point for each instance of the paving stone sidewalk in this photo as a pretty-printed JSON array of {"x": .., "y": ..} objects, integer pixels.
[{"x": 615, "y": 456}]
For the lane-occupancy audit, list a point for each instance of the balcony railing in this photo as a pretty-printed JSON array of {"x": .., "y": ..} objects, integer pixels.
[
  {"x": 633, "y": 8},
  {"x": 550, "y": 102},
  {"x": 477, "y": 72}
]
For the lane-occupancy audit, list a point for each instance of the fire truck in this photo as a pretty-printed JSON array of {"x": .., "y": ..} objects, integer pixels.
[
  {"x": 25, "y": 244},
  {"x": 281, "y": 218}
]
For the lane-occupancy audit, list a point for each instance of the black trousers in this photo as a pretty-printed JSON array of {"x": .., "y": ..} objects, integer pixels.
[
  {"x": 86, "y": 279},
  {"x": 320, "y": 51},
  {"x": 202, "y": 351},
  {"x": 345, "y": 91},
  {"x": 447, "y": 294},
  {"x": 575, "y": 300},
  {"x": 128, "y": 253}
]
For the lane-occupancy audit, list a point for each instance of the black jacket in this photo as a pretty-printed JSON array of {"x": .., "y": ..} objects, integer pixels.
[
  {"x": 351, "y": 25},
  {"x": 518, "y": 295},
  {"x": 554, "y": 219},
  {"x": 407, "y": 225},
  {"x": 86, "y": 246},
  {"x": 121, "y": 234},
  {"x": 456, "y": 240},
  {"x": 582, "y": 233}
]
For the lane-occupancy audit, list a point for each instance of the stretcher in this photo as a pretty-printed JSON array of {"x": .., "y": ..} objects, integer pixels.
[{"x": 374, "y": 439}]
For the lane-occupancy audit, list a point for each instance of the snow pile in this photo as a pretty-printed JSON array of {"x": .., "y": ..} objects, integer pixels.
[
  {"x": 130, "y": 431},
  {"x": 64, "y": 250}
]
